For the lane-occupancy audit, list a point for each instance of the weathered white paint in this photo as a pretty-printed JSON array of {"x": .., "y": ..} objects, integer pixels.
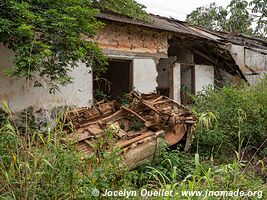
[
  {"x": 238, "y": 53},
  {"x": 204, "y": 76},
  {"x": 145, "y": 75},
  {"x": 255, "y": 62},
  {"x": 177, "y": 83},
  {"x": 250, "y": 61},
  {"x": 21, "y": 94}
]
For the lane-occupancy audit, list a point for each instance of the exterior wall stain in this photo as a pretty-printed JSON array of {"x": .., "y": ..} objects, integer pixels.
[
  {"x": 252, "y": 63},
  {"x": 21, "y": 94},
  {"x": 130, "y": 38}
]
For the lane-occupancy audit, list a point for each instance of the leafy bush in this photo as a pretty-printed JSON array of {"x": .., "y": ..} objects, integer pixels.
[
  {"x": 203, "y": 178},
  {"x": 46, "y": 38},
  {"x": 240, "y": 118}
]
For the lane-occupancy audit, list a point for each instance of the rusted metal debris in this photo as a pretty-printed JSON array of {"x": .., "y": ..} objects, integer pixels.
[{"x": 138, "y": 127}]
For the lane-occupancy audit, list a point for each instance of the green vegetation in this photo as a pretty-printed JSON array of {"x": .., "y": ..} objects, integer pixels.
[
  {"x": 239, "y": 119},
  {"x": 46, "y": 38},
  {"x": 38, "y": 165},
  {"x": 128, "y": 7},
  {"x": 227, "y": 155},
  {"x": 237, "y": 17},
  {"x": 49, "y": 37}
]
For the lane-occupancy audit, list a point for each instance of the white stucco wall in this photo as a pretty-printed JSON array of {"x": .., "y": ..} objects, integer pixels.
[
  {"x": 258, "y": 63},
  {"x": 177, "y": 83},
  {"x": 204, "y": 76},
  {"x": 249, "y": 61},
  {"x": 255, "y": 60},
  {"x": 21, "y": 94},
  {"x": 238, "y": 53},
  {"x": 145, "y": 75}
]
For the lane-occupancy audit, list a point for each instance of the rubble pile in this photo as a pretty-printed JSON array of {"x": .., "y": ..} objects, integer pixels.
[{"x": 138, "y": 127}]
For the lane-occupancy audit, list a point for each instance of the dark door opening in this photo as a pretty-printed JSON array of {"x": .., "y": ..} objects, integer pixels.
[
  {"x": 115, "y": 82},
  {"x": 187, "y": 83},
  {"x": 164, "y": 78}
]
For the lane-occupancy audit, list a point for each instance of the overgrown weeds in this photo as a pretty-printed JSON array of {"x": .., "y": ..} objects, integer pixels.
[
  {"x": 41, "y": 166},
  {"x": 241, "y": 119},
  {"x": 229, "y": 154}
]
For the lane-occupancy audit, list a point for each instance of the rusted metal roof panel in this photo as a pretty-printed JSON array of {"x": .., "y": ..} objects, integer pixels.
[{"x": 235, "y": 38}]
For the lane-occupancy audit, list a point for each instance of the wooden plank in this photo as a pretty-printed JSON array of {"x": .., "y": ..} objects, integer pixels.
[
  {"x": 189, "y": 137},
  {"x": 78, "y": 137},
  {"x": 143, "y": 153},
  {"x": 147, "y": 123},
  {"x": 114, "y": 117},
  {"x": 122, "y": 144}
]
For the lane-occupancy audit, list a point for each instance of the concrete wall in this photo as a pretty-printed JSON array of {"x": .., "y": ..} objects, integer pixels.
[
  {"x": 250, "y": 61},
  {"x": 238, "y": 53},
  {"x": 258, "y": 63},
  {"x": 21, "y": 94},
  {"x": 145, "y": 75},
  {"x": 204, "y": 76},
  {"x": 142, "y": 45},
  {"x": 176, "y": 93}
]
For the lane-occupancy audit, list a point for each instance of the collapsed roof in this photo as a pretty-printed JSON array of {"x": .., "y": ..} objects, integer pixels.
[{"x": 212, "y": 46}]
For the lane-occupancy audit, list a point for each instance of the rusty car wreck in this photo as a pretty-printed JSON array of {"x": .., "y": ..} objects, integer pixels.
[{"x": 159, "y": 117}]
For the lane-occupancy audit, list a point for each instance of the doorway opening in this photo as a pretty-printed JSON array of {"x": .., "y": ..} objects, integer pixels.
[
  {"x": 115, "y": 81},
  {"x": 164, "y": 79},
  {"x": 187, "y": 83}
]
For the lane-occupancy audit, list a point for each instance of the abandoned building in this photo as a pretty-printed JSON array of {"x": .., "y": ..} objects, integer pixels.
[{"x": 161, "y": 55}]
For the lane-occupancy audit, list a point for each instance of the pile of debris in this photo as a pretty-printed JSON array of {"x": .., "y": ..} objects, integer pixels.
[{"x": 138, "y": 126}]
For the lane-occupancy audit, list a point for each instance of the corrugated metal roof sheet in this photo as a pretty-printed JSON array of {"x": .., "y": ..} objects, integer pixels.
[{"x": 235, "y": 38}]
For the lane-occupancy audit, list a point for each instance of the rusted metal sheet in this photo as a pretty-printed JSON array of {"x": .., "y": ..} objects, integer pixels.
[
  {"x": 137, "y": 127},
  {"x": 235, "y": 38}
]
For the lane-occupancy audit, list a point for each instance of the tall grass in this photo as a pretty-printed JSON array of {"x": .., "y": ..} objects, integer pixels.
[
  {"x": 223, "y": 177},
  {"x": 39, "y": 165},
  {"x": 241, "y": 119},
  {"x": 231, "y": 138}
]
